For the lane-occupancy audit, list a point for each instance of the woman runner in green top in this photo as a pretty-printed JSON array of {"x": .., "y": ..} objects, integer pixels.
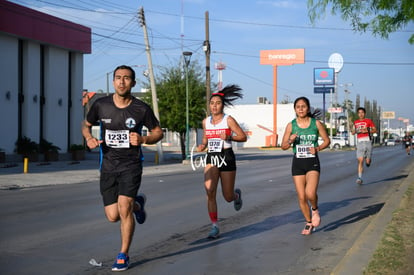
[{"x": 302, "y": 133}]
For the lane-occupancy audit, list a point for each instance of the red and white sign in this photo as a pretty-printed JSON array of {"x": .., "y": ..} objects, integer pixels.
[{"x": 335, "y": 110}]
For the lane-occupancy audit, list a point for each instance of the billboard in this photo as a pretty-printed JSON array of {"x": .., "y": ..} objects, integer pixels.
[
  {"x": 282, "y": 57},
  {"x": 388, "y": 115},
  {"x": 324, "y": 76}
]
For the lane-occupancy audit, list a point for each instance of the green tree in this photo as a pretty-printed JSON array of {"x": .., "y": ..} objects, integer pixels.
[
  {"x": 171, "y": 93},
  {"x": 381, "y": 17}
]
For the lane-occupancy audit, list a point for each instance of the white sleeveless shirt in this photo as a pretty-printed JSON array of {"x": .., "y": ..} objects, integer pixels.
[{"x": 213, "y": 131}]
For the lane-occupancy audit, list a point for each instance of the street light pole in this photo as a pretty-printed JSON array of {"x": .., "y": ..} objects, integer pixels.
[
  {"x": 187, "y": 57},
  {"x": 107, "y": 82}
]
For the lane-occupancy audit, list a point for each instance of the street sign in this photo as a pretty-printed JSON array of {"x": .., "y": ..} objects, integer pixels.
[
  {"x": 323, "y": 90},
  {"x": 323, "y": 76}
]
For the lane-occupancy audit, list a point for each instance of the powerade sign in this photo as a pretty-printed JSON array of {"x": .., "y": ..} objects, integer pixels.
[{"x": 324, "y": 76}]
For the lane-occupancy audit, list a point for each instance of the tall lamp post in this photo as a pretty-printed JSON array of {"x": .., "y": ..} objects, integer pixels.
[
  {"x": 187, "y": 58},
  {"x": 107, "y": 82}
]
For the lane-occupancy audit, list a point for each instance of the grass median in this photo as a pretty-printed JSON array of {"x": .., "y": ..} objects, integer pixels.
[{"x": 395, "y": 252}]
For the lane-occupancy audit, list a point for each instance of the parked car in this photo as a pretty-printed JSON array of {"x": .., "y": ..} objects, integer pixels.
[
  {"x": 339, "y": 142},
  {"x": 390, "y": 142},
  {"x": 336, "y": 142}
]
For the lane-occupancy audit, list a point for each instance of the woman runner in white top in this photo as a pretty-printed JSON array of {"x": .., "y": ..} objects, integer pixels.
[{"x": 220, "y": 130}]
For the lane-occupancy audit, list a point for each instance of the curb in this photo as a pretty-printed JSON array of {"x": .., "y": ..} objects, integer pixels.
[{"x": 360, "y": 254}]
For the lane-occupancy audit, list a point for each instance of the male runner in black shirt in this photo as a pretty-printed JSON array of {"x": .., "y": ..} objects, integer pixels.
[
  {"x": 407, "y": 139},
  {"x": 121, "y": 117}
]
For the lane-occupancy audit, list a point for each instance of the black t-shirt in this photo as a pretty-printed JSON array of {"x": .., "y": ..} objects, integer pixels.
[
  {"x": 116, "y": 124},
  {"x": 407, "y": 139}
]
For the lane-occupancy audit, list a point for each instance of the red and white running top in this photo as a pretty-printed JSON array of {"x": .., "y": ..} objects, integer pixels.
[
  {"x": 360, "y": 124},
  {"x": 213, "y": 132}
]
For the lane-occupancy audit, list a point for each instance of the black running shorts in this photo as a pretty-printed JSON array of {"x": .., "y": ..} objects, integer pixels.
[
  {"x": 124, "y": 183},
  {"x": 300, "y": 166},
  {"x": 224, "y": 161}
]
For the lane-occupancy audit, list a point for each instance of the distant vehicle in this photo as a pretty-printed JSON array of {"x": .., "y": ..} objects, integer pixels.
[
  {"x": 390, "y": 142},
  {"x": 336, "y": 142},
  {"x": 339, "y": 142}
]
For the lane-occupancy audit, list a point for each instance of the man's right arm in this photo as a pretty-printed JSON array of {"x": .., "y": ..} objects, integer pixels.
[
  {"x": 87, "y": 134},
  {"x": 86, "y": 130}
]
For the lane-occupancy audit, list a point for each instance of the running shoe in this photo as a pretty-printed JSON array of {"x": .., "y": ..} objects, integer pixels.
[
  {"x": 308, "y": 229},
  {"x": 316, "y": 218},
  {"x": 359, "y": 181},
  {"x": 141, "y": 215},
  {"x": 368, "y": 164},
  {"x": 121, "y": 262},
  {"x": 238, "y": 203},
  {"x": 214, "y": 232}
]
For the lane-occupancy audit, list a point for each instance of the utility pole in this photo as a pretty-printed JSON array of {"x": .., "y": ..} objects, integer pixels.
[
  {"x": 206, "y": 48},
  {"x": 141, "y": 17}
]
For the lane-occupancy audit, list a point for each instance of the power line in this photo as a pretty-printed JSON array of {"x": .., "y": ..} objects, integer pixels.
[
  {"x": 264, "y": 24},
  {"x": 317, "y": 61}
]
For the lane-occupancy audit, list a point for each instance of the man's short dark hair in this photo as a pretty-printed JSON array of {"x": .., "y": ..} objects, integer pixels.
[
  {"x": 125, "y": 67},
  {"x": 361, "y": 108}
]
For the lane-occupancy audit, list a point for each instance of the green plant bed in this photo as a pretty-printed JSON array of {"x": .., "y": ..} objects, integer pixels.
[
  {"x": 27, "y": 148},
  {"x": 2, "y": 156},
  {"x": 33, "y": 157},
  {"x": 49, "y": 150},
  {"x": 77, "y": 151},
  {"x": 51, "y": 156}
]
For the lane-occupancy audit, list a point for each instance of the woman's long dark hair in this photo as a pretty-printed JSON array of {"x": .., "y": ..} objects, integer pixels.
[
  {"x": 316, "y": 112},
  {"x": 229, "y": 94}
]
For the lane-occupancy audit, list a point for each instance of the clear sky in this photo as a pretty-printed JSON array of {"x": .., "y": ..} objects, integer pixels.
[{"x": 381, "y": 70}]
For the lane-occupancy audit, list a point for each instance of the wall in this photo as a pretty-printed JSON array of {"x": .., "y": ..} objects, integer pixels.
[
  {"x": 76, "y": 113},
  {"x": 56, "y": 96},
  {"x": 8, "y": 92},
  {"x": 254, "y": 117},
  {"x": 31, "y": 75}
]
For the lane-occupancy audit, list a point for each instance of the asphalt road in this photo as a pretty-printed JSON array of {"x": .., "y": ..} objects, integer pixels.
[{"x": 59, "y": 229}]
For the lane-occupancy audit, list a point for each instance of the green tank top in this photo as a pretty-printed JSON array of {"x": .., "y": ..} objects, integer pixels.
[{"x": 306, "y": 136}]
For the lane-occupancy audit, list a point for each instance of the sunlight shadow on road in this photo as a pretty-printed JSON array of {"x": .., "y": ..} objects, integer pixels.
[
  {"x": 368, "y": 211},
  {"x": 270, "y": 223},
  {"x": 387, "y": 179}
]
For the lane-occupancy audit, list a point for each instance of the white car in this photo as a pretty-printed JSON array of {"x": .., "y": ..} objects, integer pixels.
[
  {"x": 336, "y": 142},
  {"x": 390, "y": 142}
]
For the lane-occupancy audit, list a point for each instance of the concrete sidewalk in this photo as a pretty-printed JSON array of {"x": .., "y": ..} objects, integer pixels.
[{"x": 66, "y": 171}]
